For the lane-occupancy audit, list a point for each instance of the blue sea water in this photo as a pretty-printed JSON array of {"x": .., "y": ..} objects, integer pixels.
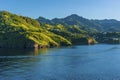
[{"x": 93, "y": 62}]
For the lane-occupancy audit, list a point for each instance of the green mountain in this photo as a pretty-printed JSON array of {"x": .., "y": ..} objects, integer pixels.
[
  {"x": 108, "y": 25},
  {"x": 72, "y": 33},
  {"x": 72, "y": 20},
  {"x": 23, "y": 32},
  {"x": 90, "y": 26},
  {"x": 77, "y": 29}
]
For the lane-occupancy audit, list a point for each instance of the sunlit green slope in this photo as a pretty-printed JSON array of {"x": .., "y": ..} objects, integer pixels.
[{"x": 23, "y": 32}]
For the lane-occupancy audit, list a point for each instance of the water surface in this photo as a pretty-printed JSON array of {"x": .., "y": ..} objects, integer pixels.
[{"x": 95, "y": 62}]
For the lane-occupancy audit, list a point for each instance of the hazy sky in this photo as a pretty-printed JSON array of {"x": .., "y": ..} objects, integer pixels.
[{"x": 92, "y": 9}]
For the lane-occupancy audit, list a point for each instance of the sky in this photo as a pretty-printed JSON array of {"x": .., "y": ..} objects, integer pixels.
[{"x": 91, "y": 9}]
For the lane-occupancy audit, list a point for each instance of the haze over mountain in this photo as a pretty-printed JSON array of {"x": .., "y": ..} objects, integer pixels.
[{"x": 106, "y": 25}]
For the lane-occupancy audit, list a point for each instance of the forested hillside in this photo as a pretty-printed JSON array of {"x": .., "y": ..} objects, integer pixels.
[
  {"x": 89, "y": 25},
  {"x": 79, "y": 26},
  {"x": 23, "y": 32}
]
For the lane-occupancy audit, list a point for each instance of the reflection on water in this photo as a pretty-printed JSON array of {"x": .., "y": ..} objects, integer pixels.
[
  {"x": 40, "y": 51},
  {"x": 96, "y": 62},
  {"x": 13, "y": 52}
]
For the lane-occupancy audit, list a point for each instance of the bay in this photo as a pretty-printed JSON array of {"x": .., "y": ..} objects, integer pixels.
[{"x": 86, "y": 62}]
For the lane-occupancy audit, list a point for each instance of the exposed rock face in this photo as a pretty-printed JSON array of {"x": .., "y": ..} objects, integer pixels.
[
  {"x": 36, "y": 45},
  {"x": 91, "y": 41}
]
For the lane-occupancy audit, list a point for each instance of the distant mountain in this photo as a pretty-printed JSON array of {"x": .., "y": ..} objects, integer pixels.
[
  {"x": 44, "y": 20},
  {"x": 23, "y": 32},
  {"x": 72, "y": 20},
  {"x": 106, "y": 25}
]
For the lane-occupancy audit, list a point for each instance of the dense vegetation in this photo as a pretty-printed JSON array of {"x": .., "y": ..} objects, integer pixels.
[
  {"x": 23, "y": 32},
  {"x": 108, "y": 37},
  {"x": 72, "y": 33},
  {"x": 106, "y": 25},
  {"x": 104, "y": 31}
]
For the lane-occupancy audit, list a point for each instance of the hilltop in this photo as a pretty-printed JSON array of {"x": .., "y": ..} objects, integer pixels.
[
  {"x": 23, "y": 32},
  {"x": 18, "y": 31},
  {"x": 90, "y": 25}
]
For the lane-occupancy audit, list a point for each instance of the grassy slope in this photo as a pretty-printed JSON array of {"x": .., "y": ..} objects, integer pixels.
[{"x": 23, "y": 32}]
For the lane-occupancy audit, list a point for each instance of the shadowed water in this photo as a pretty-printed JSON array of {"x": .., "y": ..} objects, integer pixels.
[{"x": 95, "y": 62}]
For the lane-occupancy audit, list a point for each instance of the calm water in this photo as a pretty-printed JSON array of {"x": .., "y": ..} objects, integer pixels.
[{"x": 96, "y": 62}]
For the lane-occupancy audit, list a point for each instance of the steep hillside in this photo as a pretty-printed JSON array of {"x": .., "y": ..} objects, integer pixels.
[
  {"x": 72, "y": 33},
  {"x": 23, "y": 32}
]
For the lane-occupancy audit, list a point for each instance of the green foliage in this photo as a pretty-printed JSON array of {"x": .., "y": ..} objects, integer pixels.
[
  {"x": 59, "y": 39},
  {"x": 72, "y": 33},
  {"x": 90, "y": 26},
  {"x": 76, "y": 22},
  {"x": 23, "y": 32},
  {"x": 108, "y": 37}
]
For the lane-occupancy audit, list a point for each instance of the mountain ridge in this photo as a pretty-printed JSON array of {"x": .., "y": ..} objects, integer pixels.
[
  {"x": 82, "y": 22},
  {"x": 18, "y": 31}
]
